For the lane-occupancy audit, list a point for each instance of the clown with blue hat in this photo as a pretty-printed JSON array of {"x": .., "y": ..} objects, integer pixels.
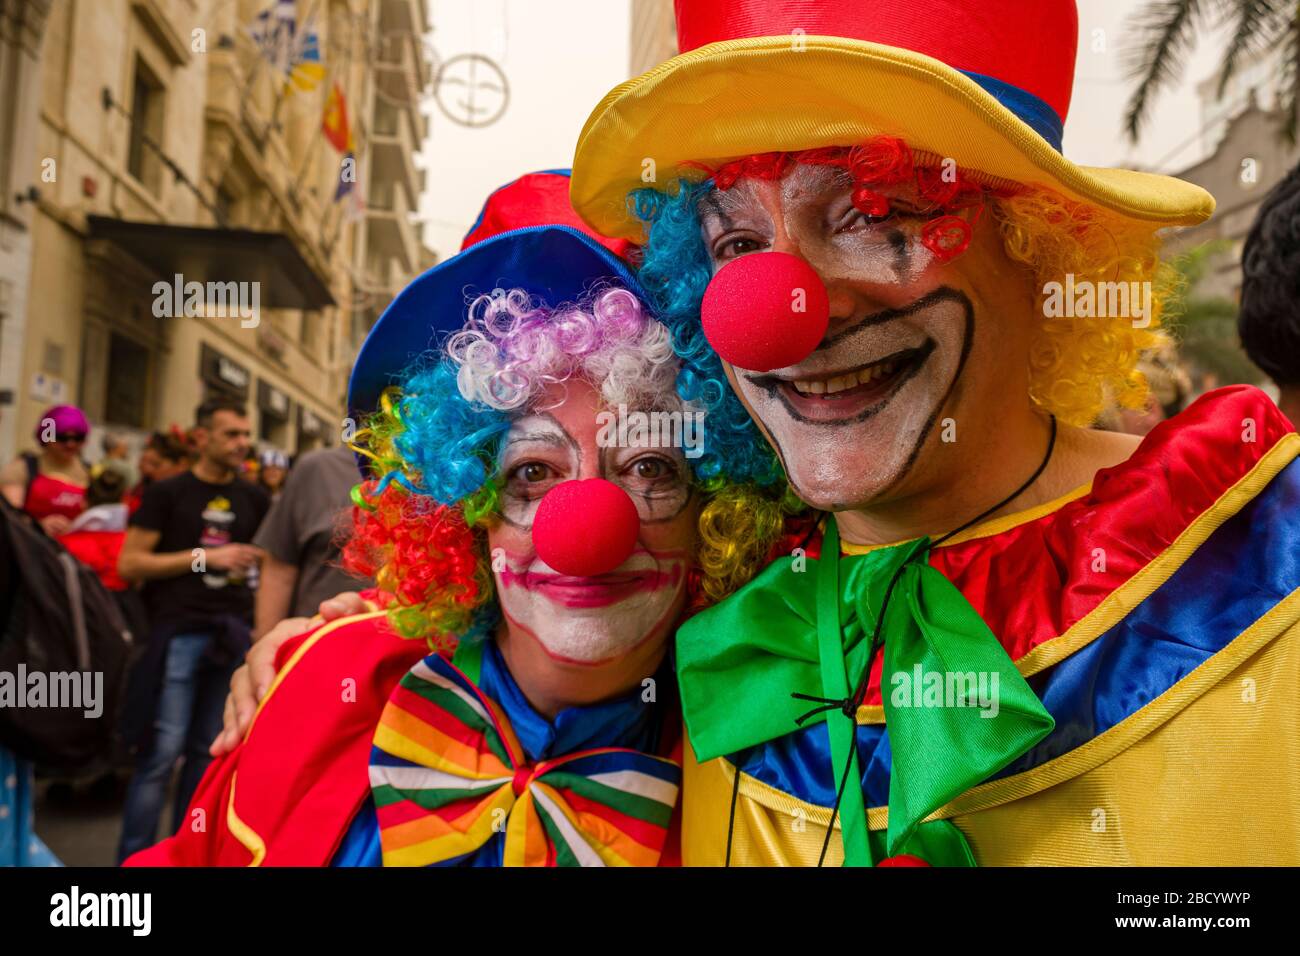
[
  {"x": 509, "y": 697},
  {"x": 1013, "y": 638}
]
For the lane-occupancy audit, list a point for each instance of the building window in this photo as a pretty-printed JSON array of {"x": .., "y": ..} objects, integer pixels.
[
  {"x": 225, "y": 208},
  {"x": 128, "y": 370},
  {"x": 272, "y": 431},
  {"x": 309, "y": 324},
  {"x": 382, "y": 195},
  {"x": 142, "y": 160}
]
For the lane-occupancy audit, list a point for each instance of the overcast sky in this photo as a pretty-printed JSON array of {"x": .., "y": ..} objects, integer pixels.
[
  {"x": 1093, "y": 132},
  {"x": 557, "y": 72}
]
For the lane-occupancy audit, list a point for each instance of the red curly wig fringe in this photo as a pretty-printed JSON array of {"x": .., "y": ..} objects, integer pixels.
[
  {"x": 426, "y": 556},
  {"x": 884, "y": 161}
]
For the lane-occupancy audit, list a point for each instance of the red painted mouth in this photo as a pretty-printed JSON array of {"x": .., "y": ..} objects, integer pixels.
[{"x": 596, "y": 591}]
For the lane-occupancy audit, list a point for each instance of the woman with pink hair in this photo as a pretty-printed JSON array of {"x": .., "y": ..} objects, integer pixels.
[{"x": 51, "y": 485}]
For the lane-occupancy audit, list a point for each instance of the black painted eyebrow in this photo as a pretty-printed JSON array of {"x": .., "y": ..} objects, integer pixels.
[
  {"x": 678, "y": 461},
  {"x": 714, "y": 203}
]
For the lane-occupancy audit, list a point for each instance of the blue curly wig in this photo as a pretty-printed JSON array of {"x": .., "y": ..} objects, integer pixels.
[{"x": 674, "y": 272}]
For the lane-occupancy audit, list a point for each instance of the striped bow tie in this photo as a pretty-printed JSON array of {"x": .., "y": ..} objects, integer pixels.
[{"x": 448, "y": 774}]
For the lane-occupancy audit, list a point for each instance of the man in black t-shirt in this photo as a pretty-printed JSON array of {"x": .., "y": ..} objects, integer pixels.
[{"x": 189, "y": 543}]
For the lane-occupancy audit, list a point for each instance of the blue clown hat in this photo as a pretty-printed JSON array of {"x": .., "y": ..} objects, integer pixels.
[{"x": 527, "y": 237}]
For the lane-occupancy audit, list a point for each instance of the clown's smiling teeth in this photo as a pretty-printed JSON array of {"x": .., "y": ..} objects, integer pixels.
[
  {"x": 841, "y": 383},
  {"x": 832, "y": 396},
  {"x": 866, "y": 379}
]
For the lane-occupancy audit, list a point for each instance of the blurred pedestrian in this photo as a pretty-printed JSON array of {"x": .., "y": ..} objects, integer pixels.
[
  {"x": 189, "y": 543},
  {"x": 300, "y": 565},
  {"x": 114, "y": 448},
  {"x": 166, "y": 454},
  {"x": 1169, "y": 385},
  {"x": 50, "y": 485},
  {"x": 1269, "y": 317},
  {"x": 272, "y": 470},
  {"x": 95, "y": 538}
]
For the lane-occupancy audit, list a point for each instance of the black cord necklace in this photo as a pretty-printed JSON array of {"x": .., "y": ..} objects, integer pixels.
[{"x": 849, "y": 705}]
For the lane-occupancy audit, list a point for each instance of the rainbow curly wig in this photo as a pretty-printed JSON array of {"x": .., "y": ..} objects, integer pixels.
[
  {"x": 420, "y": 525},
  {"x": 1079, "y": 367}
]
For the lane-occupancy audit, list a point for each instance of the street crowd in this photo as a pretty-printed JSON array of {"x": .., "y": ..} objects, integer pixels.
[{"x": 197, "y": 542}]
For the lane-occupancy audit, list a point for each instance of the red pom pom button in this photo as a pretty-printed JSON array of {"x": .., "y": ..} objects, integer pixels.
[
  {"x": 903, "y": 859},
  {"x": 585, "y": 528},
  {"x": 764, "y": 311}
]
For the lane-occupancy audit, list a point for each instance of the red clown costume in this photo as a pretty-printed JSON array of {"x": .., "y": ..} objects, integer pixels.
[{"x": 369, "y": 749}]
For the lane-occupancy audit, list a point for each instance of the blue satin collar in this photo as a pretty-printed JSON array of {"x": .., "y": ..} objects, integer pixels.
[{"x": 626, "y": 721}]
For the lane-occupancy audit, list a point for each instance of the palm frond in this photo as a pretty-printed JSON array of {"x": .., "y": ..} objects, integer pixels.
[
  {"x": 1259, "y": 24},
  {"x": 1289, "y": 85},
  {"x": 1166, "y": 30}
]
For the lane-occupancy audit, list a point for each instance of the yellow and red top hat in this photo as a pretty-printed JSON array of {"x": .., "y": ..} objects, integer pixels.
[{"x": 984, "y": 82}]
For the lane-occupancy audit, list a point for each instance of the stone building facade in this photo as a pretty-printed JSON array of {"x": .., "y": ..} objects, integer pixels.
[{"x": 166, "y": 154}]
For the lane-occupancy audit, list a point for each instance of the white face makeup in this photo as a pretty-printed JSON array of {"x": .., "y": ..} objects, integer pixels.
[
  {"x": 539, "y": 452},
  {"x": 590, "y": 620},
  {"x": 849, "y": 421}
]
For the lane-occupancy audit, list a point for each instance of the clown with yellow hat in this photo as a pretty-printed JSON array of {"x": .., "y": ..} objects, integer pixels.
[{"x": 1011, "y": 638}]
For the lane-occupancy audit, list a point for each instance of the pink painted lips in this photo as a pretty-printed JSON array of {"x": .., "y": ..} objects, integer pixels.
[{"x": 597, "y": 591}]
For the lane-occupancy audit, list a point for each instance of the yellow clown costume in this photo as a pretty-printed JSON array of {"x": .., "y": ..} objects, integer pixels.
[
  {"x": 1101, "y": 680},
  {"x": 1156, "y": 615}
]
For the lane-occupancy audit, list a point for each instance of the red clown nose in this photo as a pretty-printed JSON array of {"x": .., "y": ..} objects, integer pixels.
[
  {"x": 585, "y": 528},
  {"x": 764, "y": 311}
]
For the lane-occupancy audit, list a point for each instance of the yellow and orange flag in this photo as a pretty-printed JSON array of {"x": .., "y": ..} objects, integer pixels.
[{"x": 334, "y": 121}]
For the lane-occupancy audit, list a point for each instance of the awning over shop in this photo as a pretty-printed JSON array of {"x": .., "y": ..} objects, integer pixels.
[{"x": 221, "y": 255}]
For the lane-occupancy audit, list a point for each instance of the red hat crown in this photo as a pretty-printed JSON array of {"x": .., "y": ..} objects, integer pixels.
[
  {"x": 535, "y": 199},
  {"x": 1029, "y": 46}
]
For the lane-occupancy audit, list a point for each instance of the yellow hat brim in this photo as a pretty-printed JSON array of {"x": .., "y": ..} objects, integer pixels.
[{"x": 735, "y": 98}]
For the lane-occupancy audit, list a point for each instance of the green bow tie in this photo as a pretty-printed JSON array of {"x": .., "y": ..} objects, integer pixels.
[{"x": 956, "y": 708}]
